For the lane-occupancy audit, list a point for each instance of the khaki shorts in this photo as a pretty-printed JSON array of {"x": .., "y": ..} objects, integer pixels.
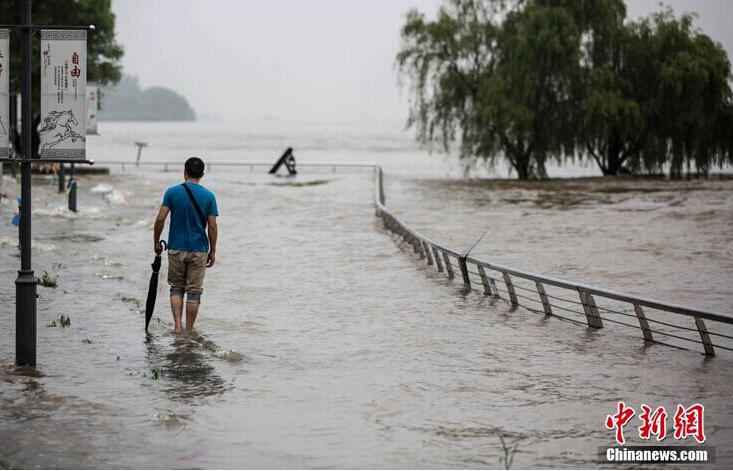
[{"x": 186, "y": 271}]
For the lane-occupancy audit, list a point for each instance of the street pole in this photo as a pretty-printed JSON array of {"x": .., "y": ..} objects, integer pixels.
[
  {"x": 25, "y": 284},
  {"x": 61, "y": 177}
]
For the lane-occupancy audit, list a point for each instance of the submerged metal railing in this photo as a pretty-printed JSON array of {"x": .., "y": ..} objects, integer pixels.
[
  {"x": 550, "y": 295},
  {"x": 567, "y": 300},
  {"x": 210, "y": 164}
]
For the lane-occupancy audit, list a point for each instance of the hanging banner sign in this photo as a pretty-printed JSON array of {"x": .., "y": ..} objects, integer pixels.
[
  {"x": 4, "y": 93},
  {"x": 92, "y": 107},
  {"x": 63, "y": 94}
]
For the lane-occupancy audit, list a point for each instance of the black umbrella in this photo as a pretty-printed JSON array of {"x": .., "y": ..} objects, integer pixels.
[{"x": 153, "y": 287}]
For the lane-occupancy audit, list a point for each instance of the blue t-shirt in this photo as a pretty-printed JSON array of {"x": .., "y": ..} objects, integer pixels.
[{"x": 186, "y": 231}]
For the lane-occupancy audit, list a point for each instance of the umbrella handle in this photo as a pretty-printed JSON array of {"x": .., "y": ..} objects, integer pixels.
[{"x": 164, "y": 244}]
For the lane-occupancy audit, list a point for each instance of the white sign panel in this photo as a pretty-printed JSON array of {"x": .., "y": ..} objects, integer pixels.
[
  {"x": 4, "y": 93},
  {"x": 92, "y": 107},
  {"x": 63, "y": 94}
]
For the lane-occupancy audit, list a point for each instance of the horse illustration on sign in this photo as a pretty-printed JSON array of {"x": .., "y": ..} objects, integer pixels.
[{"x": 58, "y": 127}]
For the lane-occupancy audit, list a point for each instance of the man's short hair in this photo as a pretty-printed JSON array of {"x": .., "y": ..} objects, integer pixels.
[{"x": 194, "y": 167}]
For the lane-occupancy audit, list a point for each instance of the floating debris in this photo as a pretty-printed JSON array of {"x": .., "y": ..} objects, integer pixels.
[
  {"x": 47, "y": 280},
  {"x": 131, "y": 300},
  {"x": 229, "y": 355},
  {"x": 63, "y": 321},
  {"x": 509, "y": 451},
  {"x": 87, "y": 340},
  {"x": 156, "y": 373}
]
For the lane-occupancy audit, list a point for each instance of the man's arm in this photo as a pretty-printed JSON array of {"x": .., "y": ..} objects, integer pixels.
[
  {"x": 158, "y": 228},
  {"x": 213, "y": 234}
]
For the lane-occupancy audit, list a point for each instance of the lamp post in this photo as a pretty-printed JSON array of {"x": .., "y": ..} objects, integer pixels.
[{"x": 25, "y": 284}]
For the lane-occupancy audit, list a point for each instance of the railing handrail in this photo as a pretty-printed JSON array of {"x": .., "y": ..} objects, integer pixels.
[
  {"x": 585, "y": 291},
  {"x": 243, "y": 163},
  {"x": 629, "y": 298},
  {"x": 561, "y": 283}
]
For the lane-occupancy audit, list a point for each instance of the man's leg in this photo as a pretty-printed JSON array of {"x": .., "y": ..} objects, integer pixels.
[
  {"x": 192, "y": 309},
  {"x": 177, "y": 309},
  {"x": 177, "y": 280},
  {"x": 195, "y": 272}
]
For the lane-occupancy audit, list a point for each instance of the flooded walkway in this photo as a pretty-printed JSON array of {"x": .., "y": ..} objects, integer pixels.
[{"x": 321, "y": 344}]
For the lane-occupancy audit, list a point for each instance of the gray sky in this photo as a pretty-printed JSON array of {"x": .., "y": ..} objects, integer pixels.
[{"x": 323, "y": 60}]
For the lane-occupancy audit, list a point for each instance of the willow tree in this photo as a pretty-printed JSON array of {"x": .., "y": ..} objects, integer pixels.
[
  {"x": 610, "y": 125},
  {"x": 528, "y": 101},
  {"x": 687, "y": 77},
  {"x": 494, "y": 76},
  {"x": 655, "y": 93},
  {"x": 446, "y": 60}
]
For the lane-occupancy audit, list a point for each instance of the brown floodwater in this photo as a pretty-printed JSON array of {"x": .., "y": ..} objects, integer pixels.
[{"x": 321, "y": 343}]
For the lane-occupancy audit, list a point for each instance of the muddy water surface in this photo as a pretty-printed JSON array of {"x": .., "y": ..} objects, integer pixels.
[{"x": 322, "y": 344}]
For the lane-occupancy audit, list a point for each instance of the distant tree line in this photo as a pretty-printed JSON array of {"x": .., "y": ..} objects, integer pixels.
[
  {"x": 534, "y": 81},
  {"x": 127, "y": 101}
]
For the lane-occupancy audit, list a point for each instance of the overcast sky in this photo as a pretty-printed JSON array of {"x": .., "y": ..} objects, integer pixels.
[{"x": 324, "y": 60}]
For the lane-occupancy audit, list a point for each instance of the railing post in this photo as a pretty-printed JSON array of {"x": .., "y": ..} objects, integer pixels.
[
  {"x": 594, "y": 310},
  {"x": 411, "y": 241},
  {"x": 643, "y": 323},
  {"x": 464, "y": 255},
  {"x": 61, "y": 177},
  {"x": 543, "y": 297},
  {"x": 484, "y": 281},
  {"x": 72, "y": 195},
  {"x": 448, "y": 266},
  {"x": 438, "y": 263},
  {"x": 591, "y": 310},
  {"x": 381, "y": 185},
  {"x": 510, "y": 289},
  {"x": 492, "y": 285},
  {"x": 705, "y": 337},
  {"x": 417, "y": 244},
  {"x": 428, "y": 255},
  {"x": 403, "y": 234},
  {"x": 584, "y": 302},
  {"x": 464, "y": 272}
]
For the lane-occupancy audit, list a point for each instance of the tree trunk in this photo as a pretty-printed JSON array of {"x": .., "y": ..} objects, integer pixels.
[
  {"x": 613, "y": 154},
  {"x": 522, "y": 166}
]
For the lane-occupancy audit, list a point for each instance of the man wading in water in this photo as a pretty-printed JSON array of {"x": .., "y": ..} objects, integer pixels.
[{"x": 189, "y": 254}]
